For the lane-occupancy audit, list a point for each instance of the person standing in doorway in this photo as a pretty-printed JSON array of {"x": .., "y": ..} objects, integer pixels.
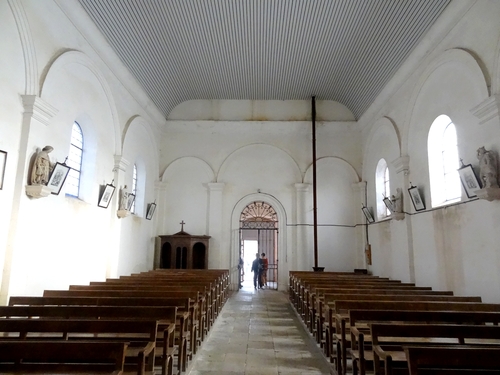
[
  {"x": 241, "y": 272},
  {"x": 257, "y": 271},
  {"x": 265, "y": 265}
]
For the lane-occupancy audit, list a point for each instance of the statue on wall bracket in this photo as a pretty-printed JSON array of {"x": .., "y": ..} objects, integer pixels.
[
  {"x": 488, "y": 175},
  {"x": 39, "y": 174}
]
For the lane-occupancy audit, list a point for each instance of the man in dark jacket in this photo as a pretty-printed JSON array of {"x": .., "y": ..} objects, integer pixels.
[{"x": 257, "y": 270}]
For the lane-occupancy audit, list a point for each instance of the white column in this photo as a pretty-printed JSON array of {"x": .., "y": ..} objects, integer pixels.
[
  {"x": 302, "y": 259},
  {"x": 359, "y": 191},
  {"x": 36, "y": 117},
  {"x": 217, "y": 257},
  {"x": 119, "y": 170},
  {"x": 402, "y": 167}
]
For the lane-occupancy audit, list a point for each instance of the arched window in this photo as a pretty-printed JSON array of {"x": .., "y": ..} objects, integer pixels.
[
  {"x": 75, "y": 161},
  {"x": 134, "y": 188},
  {"x": 382, "y": 188},
  {"x": 443, "y": 162}
]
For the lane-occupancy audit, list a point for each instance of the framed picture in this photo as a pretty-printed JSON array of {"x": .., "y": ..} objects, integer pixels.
[
  {"x": 416, "y": 199},
  {"x": 57, "y": 178},
  {"x": 151, "y": 211},
  {"x": 388, "y": 203},
  {"x": 3, "y": 163},
  {"x": 106, "y": 196},
  {"x": 130, "y": 201},
  {"x": 469, "y": 180},
  {"x": 368, "y": 214}
]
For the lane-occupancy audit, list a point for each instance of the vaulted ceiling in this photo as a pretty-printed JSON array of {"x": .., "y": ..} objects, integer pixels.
[{"x": 342, "y": 50}]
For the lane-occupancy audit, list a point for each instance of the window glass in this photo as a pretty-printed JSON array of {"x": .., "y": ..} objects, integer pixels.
[
  {"x": 382, "y": 188},
  {"x": 443, "y": 162},
  {"x": 134, "y": 188},
  {"x": 75, "y": 161}
]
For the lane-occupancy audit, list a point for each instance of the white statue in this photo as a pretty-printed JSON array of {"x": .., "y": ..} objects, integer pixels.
[
  {"x": 487, "y": 168},
  {"x": 397, "y": 200},
  {"x": 123, "y": 198},
  {"x": 42, "y": 167}
]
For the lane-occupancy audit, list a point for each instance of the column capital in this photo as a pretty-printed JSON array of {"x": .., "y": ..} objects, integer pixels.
[
  {"x": 38, "y": 108},
  {"x": 121, "y": 163},
  {"x": 160, "y": 185},
  {"x": 402, "y": 164},
  {"x": 215, "y": 186},
  {"x": 487, "y": 109},
  {"x": 302, "y": 188},
  {"x": 359, "y": 186}
]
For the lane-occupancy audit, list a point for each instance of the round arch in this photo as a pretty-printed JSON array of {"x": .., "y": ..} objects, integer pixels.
[
  {"x": 282, "y": 236},
  {"x": 77, "y": 57}
]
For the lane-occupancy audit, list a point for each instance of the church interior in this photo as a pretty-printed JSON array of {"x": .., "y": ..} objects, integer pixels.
[{"x": 138, "y": 136}]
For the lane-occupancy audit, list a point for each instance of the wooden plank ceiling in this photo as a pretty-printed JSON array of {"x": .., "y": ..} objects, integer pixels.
[{"x": 342, "y": 50}]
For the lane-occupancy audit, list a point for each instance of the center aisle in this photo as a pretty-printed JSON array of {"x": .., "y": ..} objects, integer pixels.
[{"x": 258, "y": 333}]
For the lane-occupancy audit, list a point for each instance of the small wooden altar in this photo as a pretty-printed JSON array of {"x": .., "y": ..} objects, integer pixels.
[{"x": 181, "y": 251}]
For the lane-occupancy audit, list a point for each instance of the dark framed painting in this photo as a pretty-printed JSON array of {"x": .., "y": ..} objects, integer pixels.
[
  {"x": 368, "y": 214},
  {"x": 130, "y": 201},
  {"x": 388, "y": 203},
  {"x": 106, "y": 196},
  {"x": 416, "y": 198},
  {"x": 151, "y": 210},
  {"x": 469, "y": 180},
  {"x": 57, "y": 178},
  {"x": 3, "y": 163}
]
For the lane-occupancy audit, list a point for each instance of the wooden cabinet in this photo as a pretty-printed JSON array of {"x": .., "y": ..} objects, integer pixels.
[{"x": 182, "y": 251}]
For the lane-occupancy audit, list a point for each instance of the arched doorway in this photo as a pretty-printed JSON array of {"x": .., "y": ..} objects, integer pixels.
[{"x": 259, "y": 234}]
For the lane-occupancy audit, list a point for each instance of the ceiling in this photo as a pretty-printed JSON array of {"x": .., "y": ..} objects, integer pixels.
[{"x": 341, "y": 50}]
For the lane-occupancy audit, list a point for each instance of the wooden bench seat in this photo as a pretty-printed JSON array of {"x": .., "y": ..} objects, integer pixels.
[
  {"x": 181, "y": 325},
  {"x": 141, "y": 294},
  {"x": 389, "y": 340},
  {"x": 62, "y": 357},
  {"x": 338, "y": 314},
  {"x": 165, "y": 316},
  {"x": 322, "y": 317},
  {"x": 359, "y": 337},
  {"x": 447, "y": 360},
  {"x": 140, "y": 335}
]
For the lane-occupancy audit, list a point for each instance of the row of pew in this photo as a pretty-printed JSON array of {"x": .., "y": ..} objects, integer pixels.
[
  {"x": 369, "y": 324},
  {"x": 147, "y": 323}
]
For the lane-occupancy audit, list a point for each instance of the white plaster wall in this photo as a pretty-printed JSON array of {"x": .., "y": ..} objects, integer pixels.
[
  {"x": 336, "y": 217},
  {"x": 453, "y": 248},
  {"x": 12, "y": 78},
  {"x": 137, "y": 234},
  {"x": 59, "y": 240}
]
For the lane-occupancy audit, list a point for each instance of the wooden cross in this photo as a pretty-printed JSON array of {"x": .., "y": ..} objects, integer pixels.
[{"x": 182, "y": 225}]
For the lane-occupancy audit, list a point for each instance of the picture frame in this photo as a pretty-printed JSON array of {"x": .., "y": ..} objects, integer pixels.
[
  {"x": 368, "y": 214},
  {"x": 469, "y": 180},
  {"x": 416, "y": 198},
  {"x": 150, "y": 211},
  {"x": 57, "y": 178},
  {"x": 130, "y": 201},
  {"x": 3, "y": 164},
  {"x": 106, "y": 196},
  {"x": 388, "y": 203}
]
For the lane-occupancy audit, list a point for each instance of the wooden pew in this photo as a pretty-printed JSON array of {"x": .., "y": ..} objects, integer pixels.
[
  {"x": 140, "y": 336},
  {"x": 338, "y": 316},
  {"x": 62, "y": 357},
  {"x": 359, "y": 335},
  {"x": 165, "y": 316},
  {"x": 447, "y": 360},
  {"x": 194, "y": 295},
  {"x": 388, "y": 340},
  {"x": 328, "y": 299},
  {"x": 125, "y": 303}
]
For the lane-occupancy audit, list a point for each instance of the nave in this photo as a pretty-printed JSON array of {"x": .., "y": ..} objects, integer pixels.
[{"x": 258, "y": 333}]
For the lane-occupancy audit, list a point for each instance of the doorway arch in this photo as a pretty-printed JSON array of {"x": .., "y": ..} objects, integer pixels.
[
  {"x": 259, "y": 234},
  {"x": 281, "y": 236}
]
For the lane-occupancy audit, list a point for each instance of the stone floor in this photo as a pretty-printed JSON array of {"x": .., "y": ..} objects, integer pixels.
[{"x": 258, "y": 333}]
